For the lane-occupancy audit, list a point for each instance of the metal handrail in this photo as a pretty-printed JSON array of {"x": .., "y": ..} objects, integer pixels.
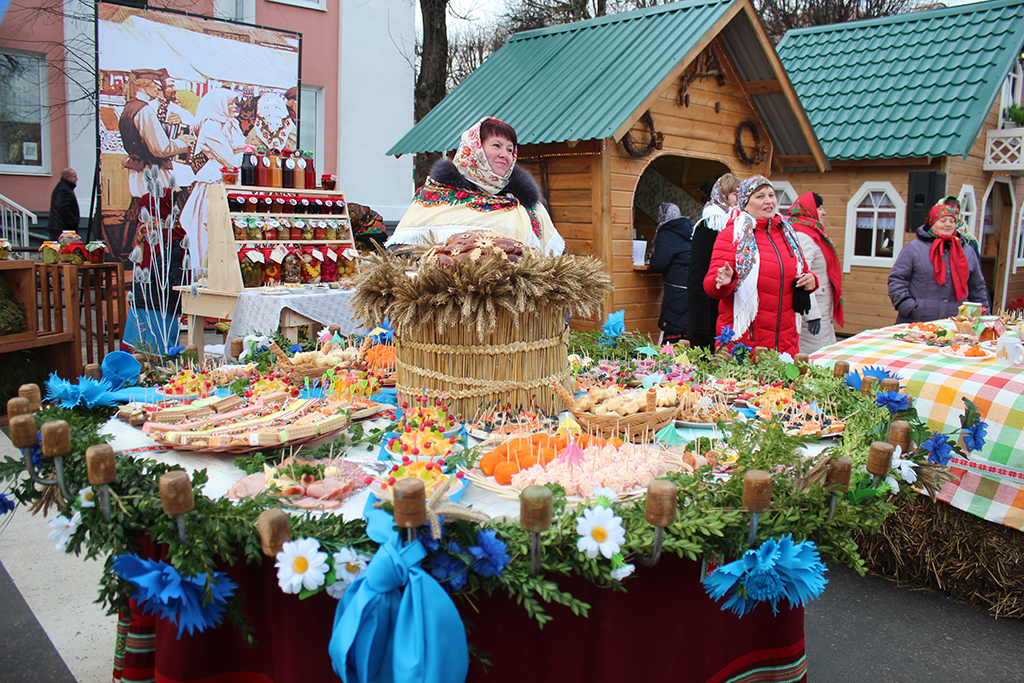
[{"x": 14, "y": 222}]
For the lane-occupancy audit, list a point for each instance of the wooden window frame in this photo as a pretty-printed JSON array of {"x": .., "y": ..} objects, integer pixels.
[{"x": 849, "y": 258}]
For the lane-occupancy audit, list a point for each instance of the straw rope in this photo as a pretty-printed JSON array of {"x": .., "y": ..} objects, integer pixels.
[
  {"x": 486, "y": 386},
  {"x": 492, "y": 349}
]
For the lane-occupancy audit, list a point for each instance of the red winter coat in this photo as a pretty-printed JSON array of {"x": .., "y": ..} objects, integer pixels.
[{"x": 775, "y": 323}]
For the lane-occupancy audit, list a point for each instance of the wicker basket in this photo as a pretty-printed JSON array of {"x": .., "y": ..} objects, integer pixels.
[
  {"x": 510, "y": 366},
  {"x": 296, "y": 374},
  {"x": 638, "y": 427}
]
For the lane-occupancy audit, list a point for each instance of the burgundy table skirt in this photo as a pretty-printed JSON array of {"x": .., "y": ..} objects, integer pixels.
[{"x": 664, "y": 627}]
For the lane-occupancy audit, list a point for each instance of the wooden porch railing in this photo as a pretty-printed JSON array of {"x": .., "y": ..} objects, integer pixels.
[{"x": 87, "y": 300}]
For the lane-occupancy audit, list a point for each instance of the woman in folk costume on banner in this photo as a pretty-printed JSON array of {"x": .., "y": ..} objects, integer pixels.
[
  {"x": 816, "y": 330},
  {"x": 481, "y": 189},
  {"x": 934, "y": 274},
  {"x": 703, "y": 309},
  {"x": 220, "y": 138},
  {"x": 759, "y": 272}
]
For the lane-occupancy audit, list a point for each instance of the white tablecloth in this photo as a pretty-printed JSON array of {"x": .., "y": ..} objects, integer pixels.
[{"x": 261, "y": 313}]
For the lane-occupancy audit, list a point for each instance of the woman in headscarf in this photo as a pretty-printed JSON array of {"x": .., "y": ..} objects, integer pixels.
[
  {"x": 817, "y": 331},
  {"x": 756, "y": 268},
  {"x": 961, "y": 227},
  {"x": 219, "y": 137},
  {"x": 703, "y": 309},
  {"x": 481, "y": 188},
  {"x": 934, "y": 274},
  {"x": 671, "y": 258}
]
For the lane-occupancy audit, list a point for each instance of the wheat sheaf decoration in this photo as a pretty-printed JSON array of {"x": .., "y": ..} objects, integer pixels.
[{"x": 470, "y": 293}]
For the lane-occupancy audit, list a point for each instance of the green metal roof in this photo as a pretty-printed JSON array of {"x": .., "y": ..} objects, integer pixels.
[
  {"x": 913, "y": 85},
  {"x": 584, "y": 80}
]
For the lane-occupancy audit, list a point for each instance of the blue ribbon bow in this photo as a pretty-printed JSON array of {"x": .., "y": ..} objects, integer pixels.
[{"x": 395, "y": 597}]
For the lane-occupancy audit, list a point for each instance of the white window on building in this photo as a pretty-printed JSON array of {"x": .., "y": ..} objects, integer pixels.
[
  {"x": 308, "y": 4},
  {"x": 968, "y": 208},
  {"x": 874, "y": 226},
  {"x": 1011, "y": 94},
  {"x": 311, "y": 123},
  {"x": 786, "y": 195},
  {"x": 24, "y": 124}
]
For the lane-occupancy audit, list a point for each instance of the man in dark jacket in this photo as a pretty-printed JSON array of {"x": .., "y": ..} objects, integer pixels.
[
  {"x": 671, "y": 258},
  {"x": 63, "y": 205}
]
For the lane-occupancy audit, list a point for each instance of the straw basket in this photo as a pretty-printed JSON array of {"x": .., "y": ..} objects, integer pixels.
[
  {"x": 296, "y": 374},
  {"x": 506, "y": 367},
  {"x": 640, "y": 426}
]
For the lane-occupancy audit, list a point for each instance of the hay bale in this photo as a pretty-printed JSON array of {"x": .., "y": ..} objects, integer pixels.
[{"x": 935, "y": 545}]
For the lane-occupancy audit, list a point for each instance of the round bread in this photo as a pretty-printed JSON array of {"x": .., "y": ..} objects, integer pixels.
[{"x": 476, "y": 245}]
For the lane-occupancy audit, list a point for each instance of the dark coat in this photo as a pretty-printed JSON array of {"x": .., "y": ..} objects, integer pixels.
[
  {"x": 703, "y": 309},
  {"x": 671, "y": 258},
  {"x": 774, "y": 326},
  {"x": 63, "y": 209},
  {"x": 912, "y": 288},
  {"x": 521, "y": 184}
]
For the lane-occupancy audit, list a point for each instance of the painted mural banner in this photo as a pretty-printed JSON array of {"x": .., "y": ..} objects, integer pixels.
[{"x": 179, "y": 98}]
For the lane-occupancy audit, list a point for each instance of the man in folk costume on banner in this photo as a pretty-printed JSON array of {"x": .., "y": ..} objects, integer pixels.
[{"x": 148, "y": 147}]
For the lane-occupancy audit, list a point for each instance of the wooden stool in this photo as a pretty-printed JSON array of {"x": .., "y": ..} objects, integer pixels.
[{"x": 292, "y": 321}]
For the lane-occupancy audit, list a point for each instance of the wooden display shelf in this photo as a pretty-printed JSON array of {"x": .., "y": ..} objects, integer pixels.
[
  {"x": 280, "y": 190},
  {"x": 22, "y": 277}
]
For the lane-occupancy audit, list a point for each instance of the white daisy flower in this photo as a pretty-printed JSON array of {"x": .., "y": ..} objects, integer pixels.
[
  {"x": 348, "y": 566},
  {"x": 606, "y": 493},
  {"x": 63, "y": 528},
  {"x": 905, "y": 466},
  {"x": 601, "y": 531},
  {"x": 87, "y": 497},
  {"x": 300, "y": 564},
  {"x": 622, "y": 572}
]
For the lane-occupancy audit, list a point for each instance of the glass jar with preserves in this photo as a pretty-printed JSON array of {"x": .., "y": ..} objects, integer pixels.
[
  {"x": 236, "y": 202},
  {"x": 291, "y": 267},
  {"x": 271, "y": 268},
  {"x": 331, "y": 231},
  {"x": 320, "y": 230},
  {"x": 329, "y": 268},
  {"x": 51, "y": 252},
  {"x": 270, "y": 229},
  {"x": 250, "y": 263},
  {"x": 96, "y": 251},
  {"x": 328, "y": 181},
  {"x": 292, "y": 206},
  {"x": 238, "y": 226},
  {"x": 328, "y": 205},
  {"x": 296, "y": 232},
  {"x": 278, "y": 205},
  {"x": 317, "y": 206},
  {"x": 305, "y": 205},
  {"x": 254, "y": 230},
  {"x": 339, "y": 206},
  {"x": 311, "y": 260},
  {"x": 308, "y": 230},
  {"x": 251, "y": 204},
  {"x": 284, "y": 226}
]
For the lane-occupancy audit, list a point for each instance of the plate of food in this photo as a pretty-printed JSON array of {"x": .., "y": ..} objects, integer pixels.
[{"x": 972, "y": 352}]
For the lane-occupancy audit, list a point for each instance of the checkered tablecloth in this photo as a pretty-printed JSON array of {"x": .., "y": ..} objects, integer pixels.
[{"x": 992, "y": 481}]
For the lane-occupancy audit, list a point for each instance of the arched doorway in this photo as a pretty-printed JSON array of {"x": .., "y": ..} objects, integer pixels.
[{"x": 684, "y": 181}]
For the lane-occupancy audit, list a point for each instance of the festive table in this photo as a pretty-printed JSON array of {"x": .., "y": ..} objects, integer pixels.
[
  {"x": 261, "y": 312},
  {"x": 992, "y": 481},
  {"x": 664, "y": 612}
]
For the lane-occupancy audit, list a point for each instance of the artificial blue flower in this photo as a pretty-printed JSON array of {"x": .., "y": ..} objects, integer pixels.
[
  {"x": 449, "y": 569},
  {"x": 37, "y": 452},
  {"x": 61, "y": 391},
  {"x": 175, "y": 350},
  {"x": 8, "y": 505},
  {"x": 893, "y": 400},
  {"x": 855, "y": 378},
  {"x": 295, "y": 348},
  {"x": 615, "y": 325},
  {"x": 491, "y": 556},
  {"x": 974, "y": 436},
  {"x": 161, "y": 589},
  {"x": 939, "y": 449},
  {"x": 427, "y": 536},
  {"x": 264, "y": 347},
  {"x": 740, "y": 350},
  {"x": 774, "y": 571},
  {"x": 383, "y": 332},
  {"x": 727, "y": 335},
  {"x": 94, "y": 393}
]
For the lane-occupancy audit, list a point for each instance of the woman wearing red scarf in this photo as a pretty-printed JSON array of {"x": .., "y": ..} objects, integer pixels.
[
  {"x": 817, "y": 331},
  {"x": 934, "y": 274}
]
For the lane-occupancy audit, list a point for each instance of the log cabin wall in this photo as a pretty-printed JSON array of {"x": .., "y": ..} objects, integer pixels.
[
  {"x": 969, "y": 171},
  {"x": 695, "y": 132}
]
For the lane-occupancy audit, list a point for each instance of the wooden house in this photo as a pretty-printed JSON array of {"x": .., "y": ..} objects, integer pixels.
[
  {"x": 921, "y": 92},
  {"x": 617, "y": 114}
]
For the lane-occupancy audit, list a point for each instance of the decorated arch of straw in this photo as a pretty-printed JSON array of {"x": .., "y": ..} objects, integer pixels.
[{"x": 481, "y": 333}]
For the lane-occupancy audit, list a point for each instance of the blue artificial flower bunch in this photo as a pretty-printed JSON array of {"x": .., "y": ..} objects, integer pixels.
[
  {"x": 6, "y": 504},
  {"x": 88, "y": 392},
  {"x": 385, "y": 335},
  {"x": 855, "y": 378},
  {"x": 727, "y": 335},
  {"x": 450, "y": 564},
  {"x": 740, "y": 351},
  {"x": 613, "y": 328},
  {"x": 776, "y": 570},
  {"x": 940, "y": 450},
  {"x": 895, "y": 401},
  {"x": 160, "y": 589}
]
